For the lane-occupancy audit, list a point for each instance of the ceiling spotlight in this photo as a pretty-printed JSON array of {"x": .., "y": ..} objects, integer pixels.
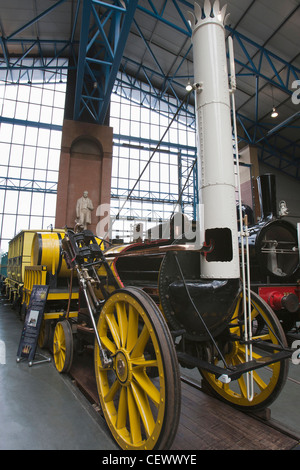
[
  {"x": 274, "y": 113},
  {"x": 189, "y": 86}
]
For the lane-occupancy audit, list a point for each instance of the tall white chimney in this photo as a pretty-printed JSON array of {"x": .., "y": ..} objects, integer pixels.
[{"x": 216, "y": 178}]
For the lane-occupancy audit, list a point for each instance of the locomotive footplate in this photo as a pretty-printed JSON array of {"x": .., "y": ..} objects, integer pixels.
[{"x": 228, "y": 374}]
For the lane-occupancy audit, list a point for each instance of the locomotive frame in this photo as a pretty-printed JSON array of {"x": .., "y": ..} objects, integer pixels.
[
  {"x": 137, "y": 350},
  {"x": 125, "y": 313}
]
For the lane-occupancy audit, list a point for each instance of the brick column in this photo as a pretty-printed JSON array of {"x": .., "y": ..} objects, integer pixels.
[{"x": 85, "y": 165}]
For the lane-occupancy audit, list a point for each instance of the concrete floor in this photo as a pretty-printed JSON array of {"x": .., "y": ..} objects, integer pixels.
[{"x": 42, "y": 410}]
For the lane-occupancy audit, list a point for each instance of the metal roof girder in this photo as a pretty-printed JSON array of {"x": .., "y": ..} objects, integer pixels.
[
  {"x": 36, "y": 19},
  {"x": 107, "y": 59},
  {"x": 119, "y": 49},
  {"x": 84, "y": 36},
  {"x": 270, "y": 57},
  {"x": 159, "y": 17},
  {"x": 101, "y": 30}
]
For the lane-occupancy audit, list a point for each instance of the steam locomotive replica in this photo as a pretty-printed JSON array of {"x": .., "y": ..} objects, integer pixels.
[
  {"x": 148, "y": 307},
  {"x": 274, "y": 256}
]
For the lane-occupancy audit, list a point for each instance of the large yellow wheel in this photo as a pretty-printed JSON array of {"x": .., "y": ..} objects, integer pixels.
[
  {"x": 63, "y": 346},
  {"x": 140, "y": 393},
  {"x": 268, "y": 381}
]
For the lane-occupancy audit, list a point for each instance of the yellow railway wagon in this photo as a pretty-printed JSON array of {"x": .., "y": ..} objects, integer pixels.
[
  {"x": 29, "y": 263},
  {"x": 35, "y": 258}
]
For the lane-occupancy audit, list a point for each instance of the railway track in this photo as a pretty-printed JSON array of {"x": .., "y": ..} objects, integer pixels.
[{"x": 205, "y": 422}]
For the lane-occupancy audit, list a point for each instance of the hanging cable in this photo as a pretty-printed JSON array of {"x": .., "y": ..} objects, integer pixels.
[
  {"x": 200, "y": 316},
  {"x": 185, "y": 185}
]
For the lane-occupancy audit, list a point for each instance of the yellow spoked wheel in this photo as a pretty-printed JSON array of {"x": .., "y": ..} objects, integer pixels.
[
  {"x": 140, "y": 393},
  {"x": 63, "y": 346},
  {"x": 267, "y": 381}
]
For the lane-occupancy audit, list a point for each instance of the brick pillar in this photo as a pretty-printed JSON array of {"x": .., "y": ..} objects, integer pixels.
[{"x": 85, "y": 165}]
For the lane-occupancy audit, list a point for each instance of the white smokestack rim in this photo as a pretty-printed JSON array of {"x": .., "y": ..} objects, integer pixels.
[{"x": 207, "y": 12}]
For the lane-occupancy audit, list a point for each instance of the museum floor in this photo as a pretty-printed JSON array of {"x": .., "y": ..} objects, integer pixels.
[
  {"x": 40, "y": 408},
  {"x": 43, "y": 410}
]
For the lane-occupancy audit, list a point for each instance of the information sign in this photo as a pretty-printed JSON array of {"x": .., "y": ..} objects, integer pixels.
[{"x": 32, "y": 324}]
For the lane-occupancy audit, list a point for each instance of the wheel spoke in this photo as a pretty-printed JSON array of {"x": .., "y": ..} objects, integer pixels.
[
  {"x": 259, "y": 381},
  {"x": 142, "y": 362},
  {"x": 122, "y": 321},
  {"x": 122, "y": 409},
  {"x": 144, "y": 408},
  {"x": 112, "y": 392},
  {"x": 146, "y": 385},
  {"x": 108, "y": 344},
  {"x": 242, "y": 386},
  {"x": 140, "y": 345},
  {"x": 239, "y": 359},
  {"x": 134, "y": 418},
  {"x": 132, "y": 390},
  {"x": 267, "y": 381},
  {"x": 132, "y": 334},
  {"x": 114, "y": 329}
]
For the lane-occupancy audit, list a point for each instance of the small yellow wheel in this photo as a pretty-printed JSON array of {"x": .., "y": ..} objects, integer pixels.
[
  {"x": 63, "y": 346},
  {"x": 268, "y": 381},
  {"x": 140, "y": 393},
  {"x": 44, "y": 334}
]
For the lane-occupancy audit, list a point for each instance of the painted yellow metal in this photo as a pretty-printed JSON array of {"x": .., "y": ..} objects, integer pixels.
[
  {"x": 37, "y": 275},
  {"x": 63, "y": 346},
  {"x": 28, "y": 253},
  {"x": 46, "y": 250},
  {"x": 59, "y": 315},
  {"x": 265, "y": 379},
  {"x": 34, "y": 275},
  {"x": 19, "y": 257},
  {"x": 59, "y": 347},
  {"x": 133, "y": 403},
  {"x": 20, "y": 252}
]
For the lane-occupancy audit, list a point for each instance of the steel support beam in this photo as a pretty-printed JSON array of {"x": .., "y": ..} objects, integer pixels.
[{"x": 104, "y": 31}]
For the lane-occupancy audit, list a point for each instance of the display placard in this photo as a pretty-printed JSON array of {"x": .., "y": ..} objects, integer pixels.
[{"x": 32, "y": 324}]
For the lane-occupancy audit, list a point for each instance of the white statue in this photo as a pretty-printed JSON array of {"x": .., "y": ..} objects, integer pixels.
[
  {"x": 84, "y": 209},
  {"x": 283, "y": 210}
]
